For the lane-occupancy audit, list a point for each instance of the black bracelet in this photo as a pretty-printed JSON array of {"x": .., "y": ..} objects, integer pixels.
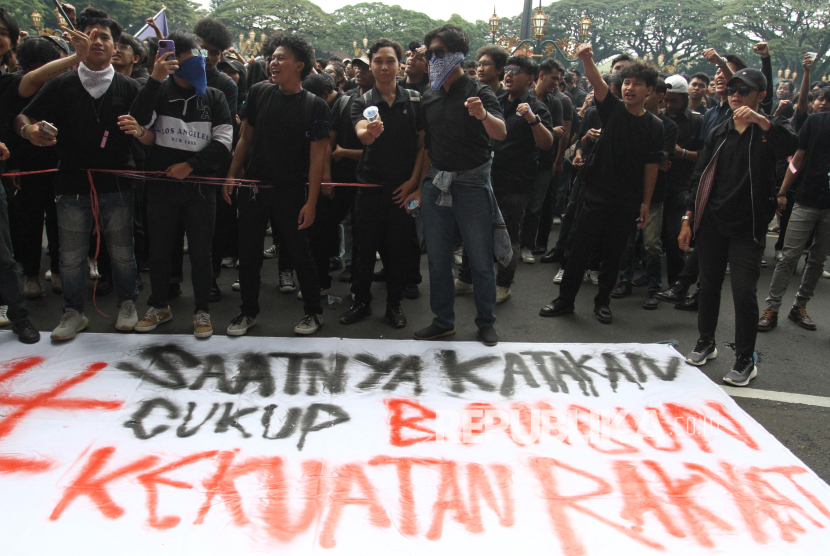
[
  {"x": 486, "y": 115},
  {"x": 781, "y": 195}
]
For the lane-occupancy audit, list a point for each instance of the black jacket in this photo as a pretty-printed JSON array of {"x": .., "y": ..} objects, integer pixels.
[{"x": 767, "y": 147}]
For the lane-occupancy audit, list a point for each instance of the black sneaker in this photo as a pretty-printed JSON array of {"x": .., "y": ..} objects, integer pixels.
[
  {"x": 603, "y": 314},
  {"x": 346, "y": 275},
  {"x": 743, "y": 371},
  {"x": 689, "y": 303},
  {"x": 651, "y": 302},
  {"x": 335, "y": 264},
  {"x": 539, "y": 250},
  {"x": 488, "y": 336},
  {"x": 555, "y": 308},
  {"x": 356, "y": 313},
  {"x": 395, "y": 316},
  {"x": 26, "y": 333},
  {"x": 675, "y": 294},
  {"x": 622, "y": 290},
  {"x": 704, "y": 350},
  {"x": 433, "y": 332},
  {"x": 553, "y": 256},
  {"x": 103, "y": 287},
  {"x": 411, "y": 291}
]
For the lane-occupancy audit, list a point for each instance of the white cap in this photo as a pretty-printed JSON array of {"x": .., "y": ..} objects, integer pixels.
[{"x": 677, "y": 84}]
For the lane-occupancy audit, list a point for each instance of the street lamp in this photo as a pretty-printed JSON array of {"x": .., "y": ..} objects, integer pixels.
[
  {"x": 494, "y": 24},
  {"x": 36, "y": 20},
  {"x": 539, "y": 22},
  {"x": 59, "y": 17},
  {"x": 585, "y": 25},
  {"x": 360, "y": 52}
]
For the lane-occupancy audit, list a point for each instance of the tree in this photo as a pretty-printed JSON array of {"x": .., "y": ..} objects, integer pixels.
[
  {"x": 132, "y": 13},
  {"x": 290, "y": 16},
  {"x": 791, "y": 27},
  {"x": 373, "y": 21}
]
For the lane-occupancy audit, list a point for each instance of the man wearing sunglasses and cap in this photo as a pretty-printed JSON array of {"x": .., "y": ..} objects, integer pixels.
[{"x": 731, "y": 204}]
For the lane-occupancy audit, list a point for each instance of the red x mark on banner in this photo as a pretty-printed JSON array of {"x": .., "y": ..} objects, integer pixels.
[{"x": 24, "y": 404}]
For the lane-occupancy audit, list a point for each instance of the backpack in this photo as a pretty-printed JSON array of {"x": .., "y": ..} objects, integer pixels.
[{"x": 412, "y": 116}]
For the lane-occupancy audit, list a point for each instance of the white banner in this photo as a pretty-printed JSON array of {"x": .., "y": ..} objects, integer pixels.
[{"x": 160, "y": 445}]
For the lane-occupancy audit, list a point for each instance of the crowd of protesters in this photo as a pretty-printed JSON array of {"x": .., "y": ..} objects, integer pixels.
[{"x": 131, "y": 153}]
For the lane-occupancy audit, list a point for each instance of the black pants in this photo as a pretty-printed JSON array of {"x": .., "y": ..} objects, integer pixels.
[
  {"x": 675, "y": 257},
  {"x": 379, "y": 222},
  {"x": 169, "y": 209},
  {"x": 604, "y": 228},
  {"x": 281, "y": 205},
  {"x": 691, "y": 269},
  {"x": 225, "y": 237},
  {"x": 324, "y": 235},
  {"x": 743, "y": 254},
  {"x": 141, "y": 236},
  {"x": 34, "y": 201},
  {"x": 785, "y": 219}
]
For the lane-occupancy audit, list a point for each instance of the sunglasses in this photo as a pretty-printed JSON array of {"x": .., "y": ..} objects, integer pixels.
[
  {"x": 437, "y": 53},
  {"x": 199, "y": 52},
  {"x": 512, "y": 69},
  {"x": 742, "y": 91}
]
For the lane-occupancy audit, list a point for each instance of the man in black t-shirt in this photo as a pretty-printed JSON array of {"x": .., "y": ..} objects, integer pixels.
[
  {"x": 620, "y": 180},
  {"x": 392, "y": 160},
  {"x": 810, "y": 218},
  {"x": 515, "y": 163},
  {"x": 89, "y": 137},
  {"x": 282, "y": 144},
  {"x": 491, "y": 60},
  {"x": 417, "y": 71},
  {"x": 652, "y": 233},
  {"x": 11, "y": 291}
]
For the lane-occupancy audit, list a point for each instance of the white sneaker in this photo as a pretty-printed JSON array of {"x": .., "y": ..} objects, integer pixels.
[
  {"x": 527, "y": 256},
  {"x": 235, "y": 286},
  {"x": 825, "y": 274},
  {"x": 32, "y": 288},
  {"x": 48, "y": 275},
  {"x": 323, "y": 293},
  {"x": 228, "y": 262},
  {"x": 557, "y": 221},
  {"x": 71, "y": 323},
  {"x": 779, "y": 254},
  {"x": 309, "y": 325},
  {"x": 456, "y": 256},
  {"x": 287, "y": 284},
  {"x": 271, "y": 252},
  {"x": 462, "y": 288},
  {"x": 127, "y": 316},
  {"x": 558, "y": 278},
  {"x": 93, "y": 269},
  {"x": 268, "y": 231},
  {"x": 240, "y": 325},
  {"x": 4, "y": 315},
  {"x": 153, "y": 318},
  {"x": 593, "y": 277},
  {"x": 502, "y": 294}
]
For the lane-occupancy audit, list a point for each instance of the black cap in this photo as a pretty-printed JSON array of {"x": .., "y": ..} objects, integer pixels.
[
  {"x": 414, "y": 45},
  {"x": 751, "y": 77},
  {"x": 234, "y": 65}
]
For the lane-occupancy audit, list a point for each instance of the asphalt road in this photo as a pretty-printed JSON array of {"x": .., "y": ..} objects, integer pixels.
[{"x": 790, "y": 358}]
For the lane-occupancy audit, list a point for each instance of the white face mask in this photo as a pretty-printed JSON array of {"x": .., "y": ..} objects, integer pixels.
[{"x": 96, "y": 83}]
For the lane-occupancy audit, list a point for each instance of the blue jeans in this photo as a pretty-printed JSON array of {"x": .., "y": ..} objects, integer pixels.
[
  {"x": 75, "y": 223},
  {"x": 471, "y": 214},
  {"x": 11, "y": 291},
  {"x": 653, "y": 243},
  {"x": 533, "y": 212}
]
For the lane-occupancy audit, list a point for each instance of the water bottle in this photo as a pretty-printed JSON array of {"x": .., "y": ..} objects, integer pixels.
[
  {"x": 371, "y": 113},
  {"x": 414, "y": 208}
]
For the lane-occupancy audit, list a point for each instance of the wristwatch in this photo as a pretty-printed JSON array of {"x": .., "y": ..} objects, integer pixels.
[
  {"x": 684, "y": 217},
  {"x": 537, "y": 122}
]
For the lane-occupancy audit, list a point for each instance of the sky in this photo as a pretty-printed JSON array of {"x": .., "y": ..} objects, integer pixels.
[{"x": 470, "y": 10}]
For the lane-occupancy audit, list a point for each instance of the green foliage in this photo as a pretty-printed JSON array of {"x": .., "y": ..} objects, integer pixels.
[{"x": 292, "y": 16}]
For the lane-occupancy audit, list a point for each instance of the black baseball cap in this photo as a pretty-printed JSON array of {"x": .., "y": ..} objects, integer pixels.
[{"x": 749, "y": 76}]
